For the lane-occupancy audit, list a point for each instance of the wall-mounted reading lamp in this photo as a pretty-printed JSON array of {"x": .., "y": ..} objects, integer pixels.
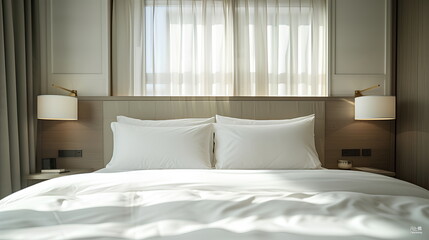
[
  {"x": 374, "y": 107},
  {"x": 57, "y": 107}
]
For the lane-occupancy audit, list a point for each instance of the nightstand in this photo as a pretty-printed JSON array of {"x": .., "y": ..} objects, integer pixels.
[
  {"x": 39, "y": 177},
  {"x": 375, "y": 170}
]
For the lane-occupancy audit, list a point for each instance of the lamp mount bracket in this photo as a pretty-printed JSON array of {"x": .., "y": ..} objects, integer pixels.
[
  {"x": 358, "y": 93},
  {"x": 73, "y": 93}
]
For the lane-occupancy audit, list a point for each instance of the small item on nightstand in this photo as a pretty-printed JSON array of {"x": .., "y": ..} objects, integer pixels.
[
  {"x": 345, "y": 164},
  {"x": 61, "y": 170},
  {"x": 49, "y": 163}
]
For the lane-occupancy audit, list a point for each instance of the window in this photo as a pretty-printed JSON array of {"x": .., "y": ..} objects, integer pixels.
[{"x": 227, "y": 48}]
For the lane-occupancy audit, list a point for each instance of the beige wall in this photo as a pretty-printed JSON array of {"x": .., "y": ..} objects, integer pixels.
[
  {"x": 412, "y": 134},
  {"x": 75, "y": 47}
]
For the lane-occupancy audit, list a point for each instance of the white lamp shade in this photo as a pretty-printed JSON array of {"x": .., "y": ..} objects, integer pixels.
[
  {"x": 56, "y": 107},
  {"x": 375, "y": 108}
]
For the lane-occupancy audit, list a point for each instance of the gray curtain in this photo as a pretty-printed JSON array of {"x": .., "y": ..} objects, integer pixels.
[{"x": 17, "y": 95}]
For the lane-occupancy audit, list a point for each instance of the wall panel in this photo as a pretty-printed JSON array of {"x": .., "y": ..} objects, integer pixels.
[
  {"x": 343, "y": 132},
  {"x": 412, "y": 133},
  {"x": 335, "y": 127},
  {"x": 86, "y": 134},
  {"x": 75, "y": 46},
  {"x": 360, "y": 42},
  {"x": 422, "y": 173}
]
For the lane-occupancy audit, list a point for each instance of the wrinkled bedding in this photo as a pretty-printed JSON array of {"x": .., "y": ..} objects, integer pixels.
[{"x": 218, "y": 204}]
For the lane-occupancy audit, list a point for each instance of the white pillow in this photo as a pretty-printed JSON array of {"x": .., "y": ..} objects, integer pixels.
[
  {"x": 169, "y": 123},
  {"x": 282, "y": 146},
  {"x": 138, "y": 147},
  {"x": 166, "y": 123},
  {"x": 240, "y": 121}
]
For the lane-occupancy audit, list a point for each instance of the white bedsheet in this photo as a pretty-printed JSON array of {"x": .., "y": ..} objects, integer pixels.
[{"x": 218, "y": 204}]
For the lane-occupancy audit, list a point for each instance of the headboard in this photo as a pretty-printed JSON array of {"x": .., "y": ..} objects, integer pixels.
[
  {"x": 335, "y": 127},
  {"x": 193, "y": 107}
]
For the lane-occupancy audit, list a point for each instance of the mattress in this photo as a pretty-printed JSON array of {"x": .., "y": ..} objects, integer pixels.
[{"x": 218, "y": 204}]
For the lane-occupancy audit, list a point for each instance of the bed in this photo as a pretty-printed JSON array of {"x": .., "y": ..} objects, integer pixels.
[
  {"x": 218, "y": 204},
  {"x": 260, "y": 180}
]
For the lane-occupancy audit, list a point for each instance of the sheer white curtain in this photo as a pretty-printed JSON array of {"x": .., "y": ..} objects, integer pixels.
[
  {"x": 219, "y": 47},
  {"x": 177, "y": 48},
  {"x": 280, "y": 47}
]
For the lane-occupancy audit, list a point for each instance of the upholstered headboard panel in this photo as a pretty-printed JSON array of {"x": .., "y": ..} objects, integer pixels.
[{"x": 155, "y": 109}]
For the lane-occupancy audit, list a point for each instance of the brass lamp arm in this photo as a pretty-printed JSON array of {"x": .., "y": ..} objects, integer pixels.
[
  {"x": 358, "y": 93},
  {"x": 73, "y": 93}
]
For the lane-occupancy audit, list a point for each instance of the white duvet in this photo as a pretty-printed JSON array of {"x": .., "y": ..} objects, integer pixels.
[{"x": 218, "y": 204}]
